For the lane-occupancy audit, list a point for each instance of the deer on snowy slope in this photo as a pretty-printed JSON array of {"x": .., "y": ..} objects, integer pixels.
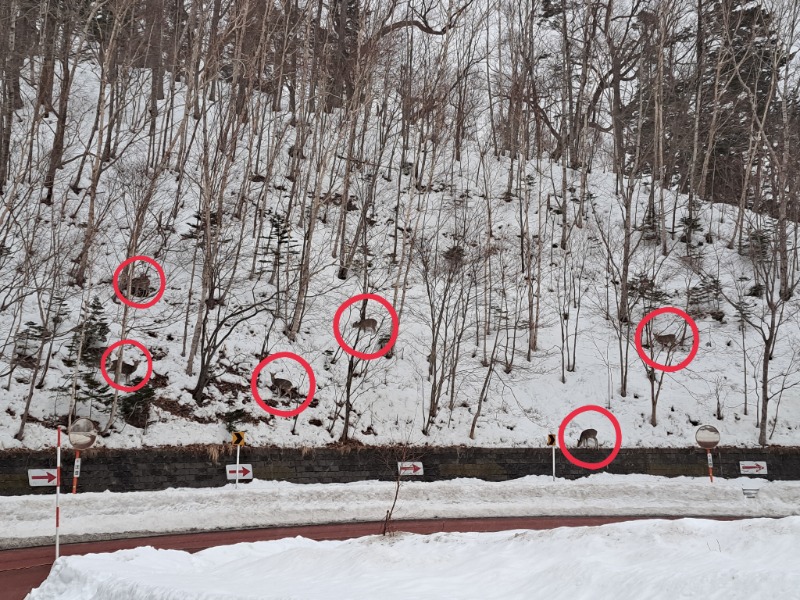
[
  {"x": 283, "y": 386},
  {"x": 366, "y": 324},
  {"x": 126, "y": 370},
  {"x": 586, "y": 435}
]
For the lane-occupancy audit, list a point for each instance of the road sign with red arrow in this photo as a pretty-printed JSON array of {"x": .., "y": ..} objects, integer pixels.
[
  {"x": 245, "y": 472},
  {"x": 410, "y": 468},
  {"x": 42, "y": 477},
  {"x": 752, "y": 467}
]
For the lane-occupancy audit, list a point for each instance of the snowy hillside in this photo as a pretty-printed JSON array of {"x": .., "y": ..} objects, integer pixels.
[{"x": 505, "y": 273}]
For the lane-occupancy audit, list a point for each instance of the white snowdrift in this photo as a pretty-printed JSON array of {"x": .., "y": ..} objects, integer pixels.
[
  {"x": 626, "y": 561},
  {"x": 269, "y": 503}
]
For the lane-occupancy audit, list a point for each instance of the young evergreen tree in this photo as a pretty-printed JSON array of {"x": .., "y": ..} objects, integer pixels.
[
  {"x": 96, "y": 332},
  {"x": 88, "y": 382},
  {"x": 27, "y": 344}
]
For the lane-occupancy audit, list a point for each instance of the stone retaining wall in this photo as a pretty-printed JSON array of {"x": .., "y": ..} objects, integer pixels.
[{"x": 161, "y": 468}]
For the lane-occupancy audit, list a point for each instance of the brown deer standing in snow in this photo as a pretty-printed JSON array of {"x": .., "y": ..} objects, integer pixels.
[
  {"x": 586, "y": 435},
  {"x": 668, "y": 339},
  {"x": 140, "y": 286},
  {"x": 366, "y": 324},
  {"x": 126, "y": 370},
  {"x": 282, "y": 386}
]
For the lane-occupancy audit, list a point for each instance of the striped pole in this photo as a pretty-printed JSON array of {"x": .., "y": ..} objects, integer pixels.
[
  {"x": 58, "y": 486},
  {"x": 76, "y": 472}
]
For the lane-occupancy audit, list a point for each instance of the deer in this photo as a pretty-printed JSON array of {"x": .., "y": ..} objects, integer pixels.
[
  {"x": 667, "y": 339},
  {"x": 282, "y": 385},
  {"x": 140, "y": 286},
  {"x": 364, "y": 324},
  {"x": 586, "y": 435},
  {"x": 127, "y": 369}
]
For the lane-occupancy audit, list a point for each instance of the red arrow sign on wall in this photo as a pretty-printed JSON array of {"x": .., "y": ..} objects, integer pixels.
[
  {"x": 42, "y": 477},
  {"x": 240, "y": 471},
  {"x": 409, "y": 468},
  {"x": 755, "y": 466}
]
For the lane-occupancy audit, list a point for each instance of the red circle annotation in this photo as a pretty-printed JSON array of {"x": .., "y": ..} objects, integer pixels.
[
  {"x": 695, "y": 339},
  {"x": 617, "y": 441},
  {"x": 162, "y": 282},
  {"x": 114, "y": 384},
  {"x": 392, "y": 338},
  {"x": 312, "y": 384}
]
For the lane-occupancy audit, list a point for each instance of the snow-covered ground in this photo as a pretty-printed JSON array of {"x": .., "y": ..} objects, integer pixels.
[
  {"x": 646, "y": 560},
  {"x": 29, "y": 519}
]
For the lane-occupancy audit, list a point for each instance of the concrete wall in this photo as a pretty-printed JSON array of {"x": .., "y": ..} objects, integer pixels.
[{"x": 160, "y": 468}]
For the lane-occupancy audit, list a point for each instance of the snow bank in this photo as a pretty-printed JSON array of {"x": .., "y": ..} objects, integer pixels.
[
  {"x": 270, "y": 503},
  {"x": 635, "y": 560}
]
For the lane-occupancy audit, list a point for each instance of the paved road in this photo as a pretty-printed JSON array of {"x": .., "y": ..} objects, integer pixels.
[{"x": 24, "y": 569}]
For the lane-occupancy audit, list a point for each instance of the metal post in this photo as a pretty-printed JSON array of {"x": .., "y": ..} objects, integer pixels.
[
  {"x": 554, "y": 463},
  {"x": 58, "y": 486},
  {"x": 236, "y": 485},
  {"x": 76, "y": 471},
  {"x": 710, "y": 466}
]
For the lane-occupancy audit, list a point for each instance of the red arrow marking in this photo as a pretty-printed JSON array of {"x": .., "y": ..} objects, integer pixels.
[
  {"x": 414, "y": 468},
  {"x": 50, "y": 477},
  {"x": 243, "y": 472}
]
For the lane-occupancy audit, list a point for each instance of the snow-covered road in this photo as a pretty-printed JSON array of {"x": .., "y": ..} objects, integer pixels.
[{"x": 27, "y": 520}]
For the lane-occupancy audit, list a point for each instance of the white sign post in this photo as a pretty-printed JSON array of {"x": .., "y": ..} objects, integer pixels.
[
  {"x": 237, "y": 439},
  {"x": 238, "y": 472},
  {"x": 753, "y": 467},
  {"x": 410, "y": 468}
]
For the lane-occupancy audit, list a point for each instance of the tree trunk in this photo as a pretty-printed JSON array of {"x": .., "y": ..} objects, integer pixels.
[{"x": 48, "y": 41}]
